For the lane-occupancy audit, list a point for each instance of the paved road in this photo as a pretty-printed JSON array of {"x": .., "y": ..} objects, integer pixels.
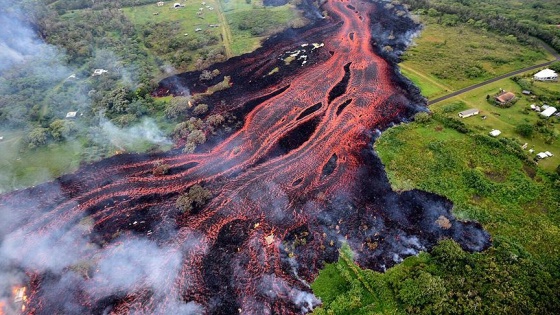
[{"x": 503, "y": 76}]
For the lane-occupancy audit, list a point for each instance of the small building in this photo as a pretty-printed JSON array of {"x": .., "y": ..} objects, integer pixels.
[
  {"x": 1, "y": 138},
  {"x": 97, "y": 72},
  {"x": 541, "y": 155},
  {"x": 505, "y": 98},
  {"x": 546, "y": 75},
  {"x": 198, "y": 29},
  {"x": 176, "y": 5},
  {"x": 526, "y": 92},
  {"x": 495, "y": 132},
  {"x": 469, "y": 113},
  {"x": 71, "y": 115},
  {"x": 160, "y": 4},
  {"x": 549, "y": 111}
]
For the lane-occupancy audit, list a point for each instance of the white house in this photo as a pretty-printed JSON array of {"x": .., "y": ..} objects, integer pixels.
[
  {"x": 469, "y": 113},
  {"x": 546, "y": 75},
  {"x": 495, "y": 132},
  {"x": 97, "y": 72},
  {"x": 160, "y": 4},
  {"x": 549, "y": 111},
  {"x": 71, "y": 114}
]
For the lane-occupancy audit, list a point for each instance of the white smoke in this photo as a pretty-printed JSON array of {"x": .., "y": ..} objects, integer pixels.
[{"x": 147, "y": 130}]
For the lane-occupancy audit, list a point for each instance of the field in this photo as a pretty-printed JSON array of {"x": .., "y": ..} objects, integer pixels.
[
  {"x": 24, "y": 169},
  {"x": 506, "y": 119},
  {"x": 486, "y": 180},
  {"x": 237, "y": 26},
  {"x": 451, "y": 57}
]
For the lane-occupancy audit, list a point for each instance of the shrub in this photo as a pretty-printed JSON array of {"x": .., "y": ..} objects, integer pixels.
[
  {"x": 422, "y": 117},
  {"x": 525, "y": 130}
]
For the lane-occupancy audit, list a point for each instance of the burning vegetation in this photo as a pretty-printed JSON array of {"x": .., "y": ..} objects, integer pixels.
[{"x": 140, "y": 234}]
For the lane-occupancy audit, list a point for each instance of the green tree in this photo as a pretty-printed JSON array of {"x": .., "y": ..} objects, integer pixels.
[
  {"x": 525, "y": 130},
  {"x": 422, "y": 117},
  {"x": 61, "y": 129},
  {"x": 37, "y": 137}
]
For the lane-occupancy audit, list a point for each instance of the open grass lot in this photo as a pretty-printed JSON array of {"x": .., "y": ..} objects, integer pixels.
[
  {"x": 516, "y": 202},
  {"x": 23, "y": 169},
  {"x": 249, "y": 26},
  {"x": 506, "y": 119},
  {"x": 257, "y": 22},
  {"x": 458, "y": 56}
]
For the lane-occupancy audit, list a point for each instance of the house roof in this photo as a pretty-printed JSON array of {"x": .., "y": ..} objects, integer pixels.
[
  {"x": 549, "y": 111},
  {"x": 506, "y": 97},
  {"x": 469, "y": 111},
  {"x": 546, "y": 73}
]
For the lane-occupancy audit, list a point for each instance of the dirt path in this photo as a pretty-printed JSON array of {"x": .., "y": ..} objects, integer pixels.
[
  {"x": 226, "y": 32},
  {"x": 503, "y": 76}
]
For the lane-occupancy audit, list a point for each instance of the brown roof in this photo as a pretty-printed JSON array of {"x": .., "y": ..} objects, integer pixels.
[{"x": 506, "y": 97}]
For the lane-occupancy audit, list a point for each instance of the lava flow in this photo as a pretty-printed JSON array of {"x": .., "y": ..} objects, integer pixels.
[{"x": 297, "y": 180}]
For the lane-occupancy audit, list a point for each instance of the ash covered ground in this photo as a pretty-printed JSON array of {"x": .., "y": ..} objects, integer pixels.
[{"x": 297, "y": 180}]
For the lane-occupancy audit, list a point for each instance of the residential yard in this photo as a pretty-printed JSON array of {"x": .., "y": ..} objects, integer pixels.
[
  {"x": 448, "y": 58},
  {"x": 506, "y": 119}
]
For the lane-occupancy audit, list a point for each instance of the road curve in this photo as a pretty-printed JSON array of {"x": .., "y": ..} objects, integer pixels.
[{"x": 503, "y": 76}]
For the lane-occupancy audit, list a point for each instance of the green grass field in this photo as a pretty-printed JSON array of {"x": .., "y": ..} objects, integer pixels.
[
  {"x": 454, "y": 57},
  {"x": 26, "y": 168},
  {"x": 516, "y": 202},
  {"x": 506, "y": 119}
]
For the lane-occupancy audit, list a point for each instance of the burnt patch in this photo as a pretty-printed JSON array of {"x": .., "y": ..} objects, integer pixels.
[
  {"x": 342, "y": 106},
  {"x": 330, "y": 166},
  {"x": 340, "y": 88},
  {"x": 310, "y": 110}
]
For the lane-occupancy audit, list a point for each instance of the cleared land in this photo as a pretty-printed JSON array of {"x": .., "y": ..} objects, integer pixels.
[
  {"x": 239, "y": 26},
  {"x": 448, "y": 58}
]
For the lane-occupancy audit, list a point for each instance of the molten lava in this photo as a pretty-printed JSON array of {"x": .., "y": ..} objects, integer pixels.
[{"x": 297, "y": 179}]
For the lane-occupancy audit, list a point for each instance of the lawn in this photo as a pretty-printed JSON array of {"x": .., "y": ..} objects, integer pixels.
[
  {"x": 21, "y": 169},
  {"x": 505, "y": 119},
  {"x": 462, "y": 55}
]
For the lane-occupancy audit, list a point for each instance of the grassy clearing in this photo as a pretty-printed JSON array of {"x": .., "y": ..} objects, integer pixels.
[
  {"x": 513, "y": 199},
  {"x": 505, "y": 119},
  {"x": 486, "y": 180},
  {"x": 462, "y": 55},
  {"x": 250, "y": 26},
  {"x": 26, "y": 168}
]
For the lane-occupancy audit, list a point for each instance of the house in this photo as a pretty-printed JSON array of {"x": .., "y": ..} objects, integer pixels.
[
  {"x": 546, "y": 75},
  {"x": 469, "y": 113},
  {"x": 97, "y": 72},
  {"x": 495, "y": 132},
  {"x": 160, "y": 4},
  {"x": 71, "y": 114},
  {"x": 548, "y": 111},
  {"x": 505, "y": 98}
]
